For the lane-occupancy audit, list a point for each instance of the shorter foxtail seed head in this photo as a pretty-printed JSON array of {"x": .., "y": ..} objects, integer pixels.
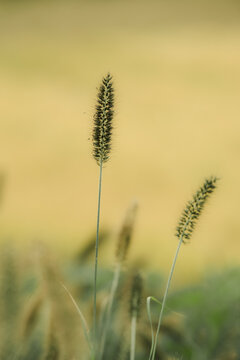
[
  {"x": 193, "y": 210},
  {"x": 102, "y": 130},
  {"x": 125, "y": 234}
]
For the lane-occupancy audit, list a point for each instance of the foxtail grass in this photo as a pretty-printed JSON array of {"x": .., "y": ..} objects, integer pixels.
[
  {"x": 135, "y": 303},
  {"x": 125, "y": 234},
  {"x": 10, "y": 302},
  {"x": 101, "y": 136},
  {"x": 88, "y": 250},
  {"x": 52, "y": 348},
  {"x": 63, "y": 314},
  {"x": 31, "y": 315},
  {"x": 123, "y": 243},
  {"x": 184, "y": 232}
]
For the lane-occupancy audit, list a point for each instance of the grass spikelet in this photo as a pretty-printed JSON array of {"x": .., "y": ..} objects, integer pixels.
[
  {"x": 102, "y": 130},
  {"x": 184, "y": 232},
  {"x": 125, "y": 234},
  {"x": 193, "y": 210}
]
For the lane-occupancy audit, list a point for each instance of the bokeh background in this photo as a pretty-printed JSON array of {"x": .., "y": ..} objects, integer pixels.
[{"x": 176, "y": 69}]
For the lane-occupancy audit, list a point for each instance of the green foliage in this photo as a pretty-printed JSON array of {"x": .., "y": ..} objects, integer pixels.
[{"x": 201, "y": 322}]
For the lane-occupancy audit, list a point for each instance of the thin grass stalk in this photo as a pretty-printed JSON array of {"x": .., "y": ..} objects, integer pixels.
[
  {"x": 153, "y": 349},
  {"x": 96, "y": 258},
  {"x": 134, "y": 309},
  {"x": 109, "y": 307},
  {"x": 133, "y": 337}
]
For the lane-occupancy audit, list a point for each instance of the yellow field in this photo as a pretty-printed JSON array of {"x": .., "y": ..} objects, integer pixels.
[{"x": 176, "y": 69}]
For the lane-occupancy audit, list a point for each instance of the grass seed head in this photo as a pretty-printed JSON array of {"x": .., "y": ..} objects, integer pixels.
[
  {"x": 193, "y": 210},
  {"x": 102, "y": 130},
  {"x": 32, "y": 314},
  {"x": 125, "y": 233}
]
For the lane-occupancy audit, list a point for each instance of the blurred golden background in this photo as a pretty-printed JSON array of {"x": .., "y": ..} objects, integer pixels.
[{"x": 176, "y": 69}]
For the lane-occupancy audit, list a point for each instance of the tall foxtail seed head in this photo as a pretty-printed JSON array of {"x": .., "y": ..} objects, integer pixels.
[
  {"x": 193, "y": 210},
  {"x": 102, "y": 130},
  {"x": 125, "y": 234}
]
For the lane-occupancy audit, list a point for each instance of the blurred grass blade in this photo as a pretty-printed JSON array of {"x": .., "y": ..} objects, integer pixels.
[
  {"x": 83, "y": 320},
  {"x": 109, "y": 308},
  {"x": 149, "y": 298}
]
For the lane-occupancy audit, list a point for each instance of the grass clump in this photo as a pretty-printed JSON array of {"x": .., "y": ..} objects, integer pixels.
[{"x": 200, "y": 322}]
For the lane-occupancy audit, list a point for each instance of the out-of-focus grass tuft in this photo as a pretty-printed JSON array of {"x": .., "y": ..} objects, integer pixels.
[{"x": 40, "y": 321}]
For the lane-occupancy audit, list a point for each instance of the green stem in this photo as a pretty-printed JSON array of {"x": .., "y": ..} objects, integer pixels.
[
  {"x": 96, "y": 259},
  {"x": 109, "y": 307},
  {"x": 152, "y": 354},
  {"x": 133, "y": 337}
]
